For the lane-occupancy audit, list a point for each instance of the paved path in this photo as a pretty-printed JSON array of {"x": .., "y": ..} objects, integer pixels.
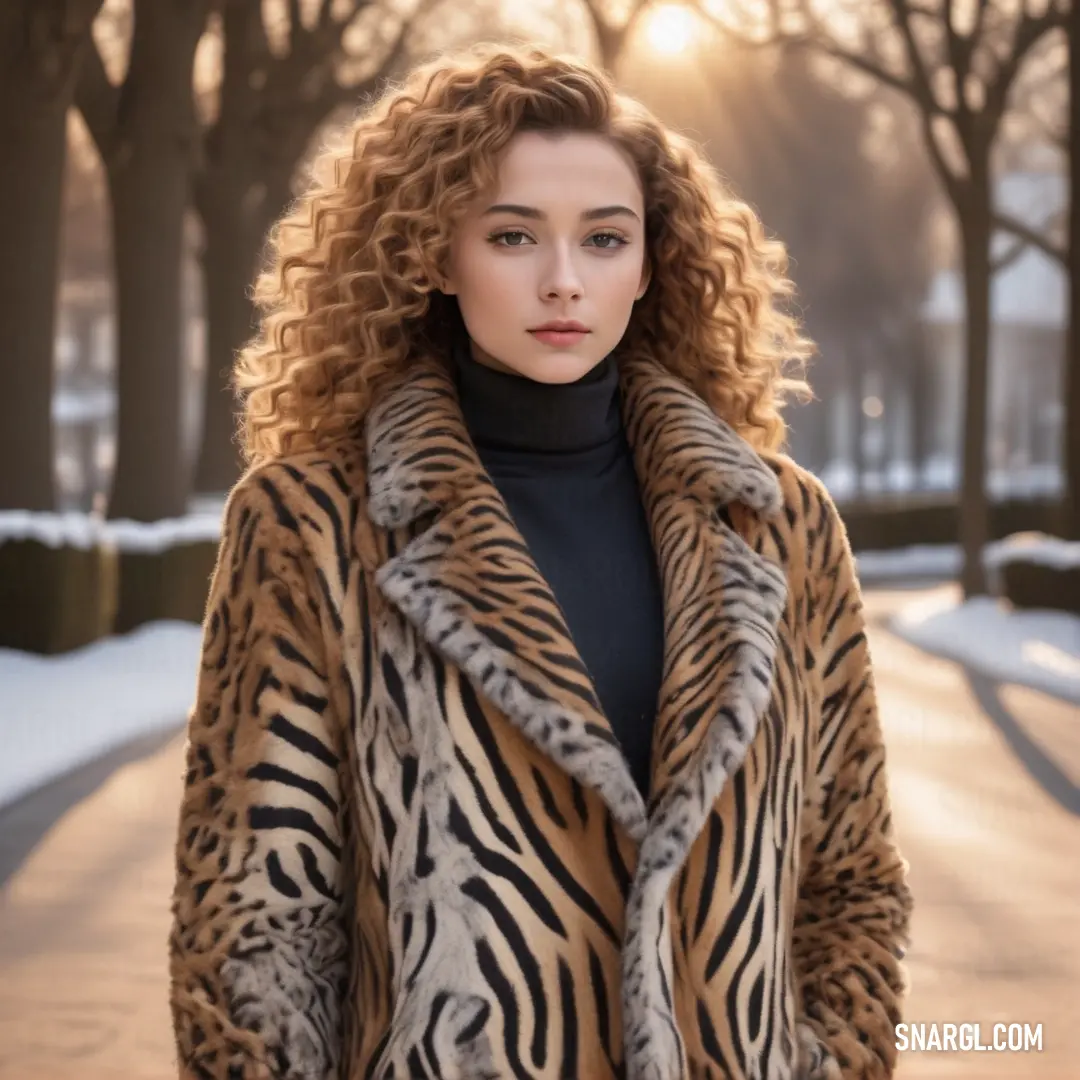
[{"x": 86, "y": 871}]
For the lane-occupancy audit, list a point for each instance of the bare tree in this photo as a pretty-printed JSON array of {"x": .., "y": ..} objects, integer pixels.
[
  {"x": 279, "y": 84},
  {"x": 957, "y": 64},
  {"x": 144, "y": 129},
  {"x": 42, "y": 45},
  {"x": 613, "y": 24},
  {"x": 860, "y": 287},
  {"x": 1049, "y": 104}
]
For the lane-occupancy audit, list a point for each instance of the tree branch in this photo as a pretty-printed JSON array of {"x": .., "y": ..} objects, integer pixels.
[
  {"x": 296, "y": 22},
  {"x": 959, "y": 50},
  {"x": 922, "y": 90},
  {"x": 1032, "y": 237},
  {"x": 1007, "y": 258},
  {"x": 393, "y": 62},
  {"x": 1030, "y": 31},
  {"x": 52, "y": 37},
  {"x": 98, "y": 101},
  {"x": 983, "y": 6},
  {"x": 868, "y": 67}
]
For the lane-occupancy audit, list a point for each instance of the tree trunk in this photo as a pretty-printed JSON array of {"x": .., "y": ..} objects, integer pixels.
[
  {"x": 149, "y": 182},
  {"x": 235, "y": 227},
  {"x": 1071, "y": 441},
  {"x": 149, "y": 204},
  {"x": 40, "y": 47},
  {"x": 975, "y": 228},
  {"x": 32, "y": 149},
  {"x": 857, "y": 384},
  {"x": 922, "y": 406}
]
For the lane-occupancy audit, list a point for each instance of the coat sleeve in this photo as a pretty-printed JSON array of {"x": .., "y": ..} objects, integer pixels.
[
  {"x": 257, "y": 948},
  {"x": 853, "y": 908}
]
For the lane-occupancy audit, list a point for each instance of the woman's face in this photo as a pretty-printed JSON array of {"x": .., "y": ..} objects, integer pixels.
[{"x": 561, "y": 241}]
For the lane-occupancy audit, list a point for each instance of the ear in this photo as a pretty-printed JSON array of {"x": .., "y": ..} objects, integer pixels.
[{"x": 442, "y": 276}]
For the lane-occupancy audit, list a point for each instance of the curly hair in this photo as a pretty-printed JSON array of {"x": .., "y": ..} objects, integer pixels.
[{"x": 348, "y": 296}]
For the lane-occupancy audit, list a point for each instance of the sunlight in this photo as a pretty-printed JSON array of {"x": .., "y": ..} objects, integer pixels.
[{"x": 669, "y": 28}]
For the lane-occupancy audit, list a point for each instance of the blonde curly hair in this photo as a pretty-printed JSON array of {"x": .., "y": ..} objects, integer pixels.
[{"x": 348, "y": 296}]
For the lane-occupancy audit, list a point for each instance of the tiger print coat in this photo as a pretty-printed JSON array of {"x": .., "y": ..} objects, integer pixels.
[{"x": 409, "y": 845}]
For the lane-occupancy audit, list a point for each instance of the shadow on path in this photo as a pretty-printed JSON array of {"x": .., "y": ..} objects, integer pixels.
[
  {"x": 25, "y": 822},
  {"x": 1039, "y": 765}
]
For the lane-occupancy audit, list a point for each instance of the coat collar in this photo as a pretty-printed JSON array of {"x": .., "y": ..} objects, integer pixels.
[
  {"x": 451, "y": 579},
  {"x": 410, "y": 472}
]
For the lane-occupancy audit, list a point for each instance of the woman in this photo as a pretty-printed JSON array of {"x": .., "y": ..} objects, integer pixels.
[{"x": 535, "y": 734}]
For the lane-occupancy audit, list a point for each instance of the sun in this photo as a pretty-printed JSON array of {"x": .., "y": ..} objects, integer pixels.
[{"x": 669, "y": 28}]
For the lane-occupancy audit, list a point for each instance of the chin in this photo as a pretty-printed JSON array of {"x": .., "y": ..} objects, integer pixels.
[{"x": 558, "y": 367}]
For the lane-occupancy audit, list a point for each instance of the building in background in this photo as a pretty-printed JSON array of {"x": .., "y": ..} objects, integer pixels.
[
  {"x": 903, "y": 434},
  {"x": 1027, "y": 348}
]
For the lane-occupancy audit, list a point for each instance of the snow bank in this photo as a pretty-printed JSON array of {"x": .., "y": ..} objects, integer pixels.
[
  {"x": 921, "y": 561},
  {"x": 157, "y": 536},
  {"x": 54, "y": 530},
  {"x": 945, "y": 560},
  {"x": 84, "y": 530},
  {"x": 1039, "y": 649},
  {"x": 57, "y": 713},
  {"x": 1036, "y": 548}
]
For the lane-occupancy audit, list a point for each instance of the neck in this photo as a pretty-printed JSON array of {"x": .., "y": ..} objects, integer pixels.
[{"x": 505, "y": 411}]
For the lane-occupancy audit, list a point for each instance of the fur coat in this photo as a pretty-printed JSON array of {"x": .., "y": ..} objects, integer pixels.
[{"x": 410, "y": 845}]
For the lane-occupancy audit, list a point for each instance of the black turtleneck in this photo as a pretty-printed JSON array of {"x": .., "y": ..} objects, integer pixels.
[{"x": 559, "y": 457}]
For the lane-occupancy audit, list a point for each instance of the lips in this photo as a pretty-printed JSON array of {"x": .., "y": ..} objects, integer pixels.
[
  {"x": 559, "y": 339},
  {"x": 561, "y": 326}
]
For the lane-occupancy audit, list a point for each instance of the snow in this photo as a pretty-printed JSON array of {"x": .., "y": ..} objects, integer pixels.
[
  {"x": 70, "y": 529},
  {"x": 921, "y": 561},
  {"x": 158, "y": 536},
  {"x": 78, "y": 530},
  {"x": 1039, "y": 649},
  {"x": 945, "y": 560},
  {"x": 82, "y": 406},
  {"x": 61, "y": 712},
  {"x": 940, "y": 476},
  {"x": 1036, "y": 548}
]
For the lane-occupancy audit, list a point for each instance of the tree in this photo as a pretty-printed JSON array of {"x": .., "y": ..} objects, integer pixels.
[
  {"x": 1049, "y": 100},
  {"x": 614, "y": 29},
  {"x": 42, "y": 46},
  {"x": 764, "y": 122},
  {"x": 144, "y": 129},
  {"x": 273, "y": 98},
  {"x": 855, "y": 220},
  {"x": 957, "y": 64}
]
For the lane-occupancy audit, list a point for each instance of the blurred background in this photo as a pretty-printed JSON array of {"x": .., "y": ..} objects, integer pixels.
[{"x": 918, "y": 158}]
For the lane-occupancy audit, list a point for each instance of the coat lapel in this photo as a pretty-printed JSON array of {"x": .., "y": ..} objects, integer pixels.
[
  {"x": 465, "y": 576},
  {"x": 464, "y": 581},
  {"x": 722, "y": 605}
]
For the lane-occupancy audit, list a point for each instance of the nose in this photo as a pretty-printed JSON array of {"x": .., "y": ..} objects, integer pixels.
[{"x": 561, "y": 279}]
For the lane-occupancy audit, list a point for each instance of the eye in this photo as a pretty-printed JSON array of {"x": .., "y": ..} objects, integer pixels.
[
  {"x": 495, "y": 237},
  {"x": 617, "y": 240}
]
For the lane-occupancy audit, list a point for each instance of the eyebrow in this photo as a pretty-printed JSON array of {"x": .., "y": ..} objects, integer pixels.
[{"x": 539, "y": 215}]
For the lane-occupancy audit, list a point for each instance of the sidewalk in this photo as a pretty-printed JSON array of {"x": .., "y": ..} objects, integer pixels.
[{"x": 83, "y": 925}]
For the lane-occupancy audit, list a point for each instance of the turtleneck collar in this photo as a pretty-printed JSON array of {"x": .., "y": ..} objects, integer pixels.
[{"x": 510, "y": 412}]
